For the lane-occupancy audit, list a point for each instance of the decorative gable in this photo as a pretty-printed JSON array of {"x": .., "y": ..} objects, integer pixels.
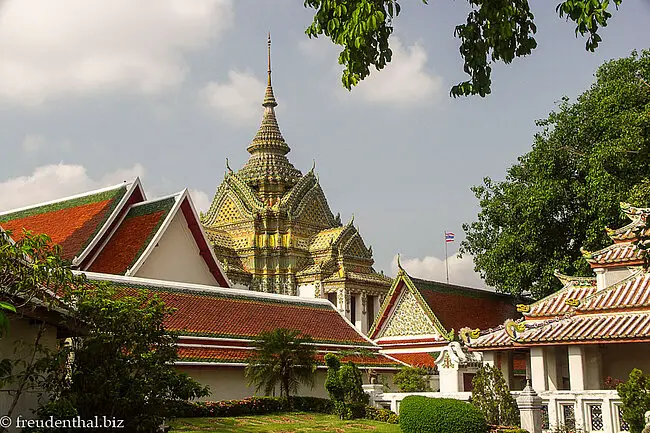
[
  {"x": 408, "y": 318},
  {"x": 229, "y": 213}
]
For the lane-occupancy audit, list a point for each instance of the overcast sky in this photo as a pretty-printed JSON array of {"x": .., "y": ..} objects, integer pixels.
[{"x": 94, "y": 92}]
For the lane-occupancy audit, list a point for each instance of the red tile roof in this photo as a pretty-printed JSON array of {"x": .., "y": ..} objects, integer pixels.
[
  {"x": 417, "y": 359},
  {"x": 457, "y": 307},
  {"x": 132, "y": 237},
  {"x": 240, "y": 356},
  {"x": 631, "y": 293},
  {"x": 556, "y": 304},
  {"x": 71, "y": 223},
  {"x": 230, "y": 313}
]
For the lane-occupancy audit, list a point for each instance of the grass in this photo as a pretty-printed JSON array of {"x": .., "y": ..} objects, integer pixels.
[{"x": 296, "y": 422}]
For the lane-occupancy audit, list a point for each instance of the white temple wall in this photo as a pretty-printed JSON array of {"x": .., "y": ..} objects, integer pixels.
[
  {"x": 231, "y": 383},
  {"x": 176, "y": 257},
  {"x": 17, "y": 343}
]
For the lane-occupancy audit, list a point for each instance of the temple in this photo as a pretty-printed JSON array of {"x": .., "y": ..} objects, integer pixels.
[{"x": 273, "y": 230}]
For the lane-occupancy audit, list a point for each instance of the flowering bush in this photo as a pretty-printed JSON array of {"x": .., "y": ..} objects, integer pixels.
[{"x": 612, "y": 382}]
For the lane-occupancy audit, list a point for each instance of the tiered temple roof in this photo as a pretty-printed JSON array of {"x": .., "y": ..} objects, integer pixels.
[
  {"x": 273, "y": 230},
  {"x": 584, "y": 311},
  {"x": 420, "y": 317},
  {"x": 219, "y": 325}
]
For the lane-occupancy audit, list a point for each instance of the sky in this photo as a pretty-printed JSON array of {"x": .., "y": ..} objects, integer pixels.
[{"x": 95, "y": 92}]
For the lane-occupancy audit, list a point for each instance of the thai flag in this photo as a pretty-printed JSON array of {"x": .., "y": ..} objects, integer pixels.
[{"x": 449, "y": 237}]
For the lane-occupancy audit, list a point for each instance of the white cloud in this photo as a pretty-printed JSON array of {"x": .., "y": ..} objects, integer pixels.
[
  {"x": 461, "y": 271},
  {"x": 200, "y": 199},
  {"x": 238, "y": 99},
  {"x": 32, "y": 143},
  {"x": 55, "y": 49},
  {"x": 404, "y": 82},
  {"x": 50, "y": 182}
]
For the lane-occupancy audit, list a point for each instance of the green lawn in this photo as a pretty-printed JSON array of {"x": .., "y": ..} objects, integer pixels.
[{"x": 281, "y": 423}]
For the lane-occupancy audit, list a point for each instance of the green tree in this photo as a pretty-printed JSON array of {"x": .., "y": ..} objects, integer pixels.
[
  {"x": 345, "y": 387},
  {"x": 283, "y": 357},
  {"x": 123, "y": 366},
  {"x": 635, "y": 395},
  {"x": 492, "y": 397},
  {"x": 495, "y": 31},
  {"x": 31, "y": 272},
  {"x": 410, "y": 379},
  {"x": 590, "y": 155}
]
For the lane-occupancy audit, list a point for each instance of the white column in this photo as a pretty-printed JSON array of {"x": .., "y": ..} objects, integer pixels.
[
  {"x": 489, "y": 358},
  {"x": 551, "y": 369},
  {"x": 577, "y": 368},
  {"x": 537, "y": 369},
  {"x": 363, "y": 316},
  {"x": 593, "y": 367}
]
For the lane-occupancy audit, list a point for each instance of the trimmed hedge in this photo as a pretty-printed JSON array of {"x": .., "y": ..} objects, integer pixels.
[
  {"x": 264, "y": 405},
  {"x": 506, "y": 429},
  {"x": 440, "y": 415},
  {"x": 250, "y": 406}
]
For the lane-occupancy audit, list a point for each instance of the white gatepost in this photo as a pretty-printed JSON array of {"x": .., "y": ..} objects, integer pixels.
[{"x": 530, "y": 409}]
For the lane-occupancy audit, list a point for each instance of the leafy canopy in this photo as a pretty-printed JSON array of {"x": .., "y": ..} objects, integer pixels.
[
  {"x": 123, "y": 365},
  {"x": 591, "y": 155},
  {"x": 410, "y": 379},
  {"x": 282, "y": 357},
  {"x": 344, "y": 385},
  {"x": 495, "y": 31}
]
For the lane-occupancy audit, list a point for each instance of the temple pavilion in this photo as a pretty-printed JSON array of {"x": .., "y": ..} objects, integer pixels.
[
  {"x": 273, "y": 230},
  {"x": 586, "y": 337}
]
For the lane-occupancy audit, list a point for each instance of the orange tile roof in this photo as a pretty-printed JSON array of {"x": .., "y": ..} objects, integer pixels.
[
  {"x": 417, "y": 359},
  {"x": 70, "y": 223},
  {"x": 132, "y": 237},
  {"x": 230, "y": 313}
]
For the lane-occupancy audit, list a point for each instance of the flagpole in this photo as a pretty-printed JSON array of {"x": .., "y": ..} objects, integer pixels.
[{"x": 446, "y": 263}]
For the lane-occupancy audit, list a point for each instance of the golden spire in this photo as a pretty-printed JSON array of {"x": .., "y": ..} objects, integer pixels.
[
  {"x": 268, "y": 148},
  {"x": 269, "y": 97}
]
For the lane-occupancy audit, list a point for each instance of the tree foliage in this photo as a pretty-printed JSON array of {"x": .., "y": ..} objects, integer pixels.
[
  {"x": 495, "y": 31},
  {"x": 591, "y": 154},
  {"x": 410, "y": 379},
  {"x": 492, "y": 397},
  {"x": 635, "y": 395},
  {"x": 345, "y": 386},
  {"x": 123, "y": 366},
  {"x": 283, "y": 357}
]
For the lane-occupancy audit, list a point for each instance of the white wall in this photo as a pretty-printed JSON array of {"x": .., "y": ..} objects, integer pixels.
[
  {"x": 17, "y": 344},
  {"x": 229, "y": 383},
  {"x": 176, "y": 257},
  {"x": 307, "y": 291}
]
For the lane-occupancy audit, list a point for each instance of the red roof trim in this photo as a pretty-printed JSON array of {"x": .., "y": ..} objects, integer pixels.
[{"x": 201, "y": 241}]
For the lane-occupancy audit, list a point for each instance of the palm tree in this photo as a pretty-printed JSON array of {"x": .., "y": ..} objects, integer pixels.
[{"x": 284, "y": 357}]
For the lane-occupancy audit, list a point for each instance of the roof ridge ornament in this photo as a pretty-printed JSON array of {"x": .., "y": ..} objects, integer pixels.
[{"x": 269, "y": 97}]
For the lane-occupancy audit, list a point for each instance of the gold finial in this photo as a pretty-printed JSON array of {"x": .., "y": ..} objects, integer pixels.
[
  {"x": 269, "y": 97},
  {"x": 269, "y": 59}
]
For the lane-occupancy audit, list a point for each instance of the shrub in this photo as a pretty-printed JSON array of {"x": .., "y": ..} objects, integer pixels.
[
  {"x": 345, "y": 388},
  {"x": 635, "y": 394},
  {"x": 492, "y": 397},
  {"x": 251, "y": 406},
  {"x": 411, "y": 379},
  {"x": 440, "y": 415},
  {"x": 383, "y": 415}
]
